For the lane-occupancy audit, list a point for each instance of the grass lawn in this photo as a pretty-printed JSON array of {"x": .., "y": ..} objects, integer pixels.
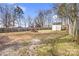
[
  {"x": 59, "y": 47},
  {"x": 52, "y": 43}
]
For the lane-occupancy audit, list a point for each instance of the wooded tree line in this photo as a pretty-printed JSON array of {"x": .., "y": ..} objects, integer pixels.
[{"x": 71, "y": 12}]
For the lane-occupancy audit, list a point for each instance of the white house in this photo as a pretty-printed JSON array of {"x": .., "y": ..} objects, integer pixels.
[
  {"x": 56, "y": 26},
  {"x": 56, "y": 23}
]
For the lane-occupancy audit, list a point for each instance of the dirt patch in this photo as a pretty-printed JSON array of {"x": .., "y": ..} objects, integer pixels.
[
  {"x": 21, "y": 38},
  {"x": 27, "y": 43},
  {"x": 4, "y": 39}
]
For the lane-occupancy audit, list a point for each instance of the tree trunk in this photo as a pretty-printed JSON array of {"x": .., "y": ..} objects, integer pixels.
[
  {"x": 70, "y": 28},
  {"x": 75, "y": 31}
]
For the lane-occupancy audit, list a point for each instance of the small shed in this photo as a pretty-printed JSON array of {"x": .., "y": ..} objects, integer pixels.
[{"x": 57, "y": 26}]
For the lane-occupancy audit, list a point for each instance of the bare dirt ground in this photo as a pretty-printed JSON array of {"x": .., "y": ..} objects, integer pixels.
[{"x": 23, "y": 43}]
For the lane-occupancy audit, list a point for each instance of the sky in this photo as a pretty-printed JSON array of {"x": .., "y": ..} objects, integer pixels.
[{"x": 31, "y": 9}]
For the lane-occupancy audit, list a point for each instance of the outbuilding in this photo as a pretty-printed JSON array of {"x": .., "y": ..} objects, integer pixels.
[{"x": 57, "y": 26}]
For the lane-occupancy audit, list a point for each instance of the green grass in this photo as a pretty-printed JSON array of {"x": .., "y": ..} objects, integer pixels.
[
  {"x": 25, "y": 43},
  {"x": 59, "y": 46},
  {"x": 44, "y": 50}
]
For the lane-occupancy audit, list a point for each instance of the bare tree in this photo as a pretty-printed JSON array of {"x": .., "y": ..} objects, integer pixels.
[
  {"x": 29, "y": 19},
  {"x": 6, "y": 15},
  {"x": 40, "y": 19},
  {"x": 19, "y": 14},
  {"x": 25, "y": 22}
]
